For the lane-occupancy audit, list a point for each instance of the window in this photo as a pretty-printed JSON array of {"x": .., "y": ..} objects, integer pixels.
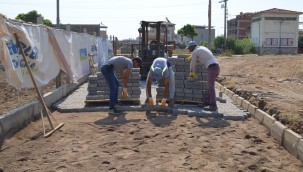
[
  {"x": 271, "y": 42},
  {"x": 287, "y": 41}
]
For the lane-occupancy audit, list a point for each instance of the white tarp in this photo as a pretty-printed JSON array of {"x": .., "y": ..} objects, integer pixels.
[
  {"x": 38, "y": 52},
  {"x": 75, "y": 48},
  {"x": 105, "y": 51},
  {"x": 47, "y": 51}
]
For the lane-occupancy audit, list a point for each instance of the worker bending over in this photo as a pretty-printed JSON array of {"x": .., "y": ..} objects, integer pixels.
[
  {"x": 161, "y": 68},
  {"x": 123, "y": 65}
]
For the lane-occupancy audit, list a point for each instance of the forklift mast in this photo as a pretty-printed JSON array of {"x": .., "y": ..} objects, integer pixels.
[{"x": 151, "y": 45}]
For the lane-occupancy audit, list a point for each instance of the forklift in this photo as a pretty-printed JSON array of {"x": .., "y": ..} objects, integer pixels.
[{"x": 152, "y": 44}]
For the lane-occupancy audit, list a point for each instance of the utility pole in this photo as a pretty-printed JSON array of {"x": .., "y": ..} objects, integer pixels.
[
  {"x": 209, "y": 24},
  {"x": 225, "y": 6},
  {"x": 58, "y": 18},
  {"x": 58, "y": 78}
]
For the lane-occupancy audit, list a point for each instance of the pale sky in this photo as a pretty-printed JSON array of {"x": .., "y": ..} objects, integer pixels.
[{"x": 122, "y": 17}]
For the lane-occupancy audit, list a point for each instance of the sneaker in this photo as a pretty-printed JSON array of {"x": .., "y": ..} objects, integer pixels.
[
  {"x": 114, "y": 111},
  {"x": 211, "y": 108}
]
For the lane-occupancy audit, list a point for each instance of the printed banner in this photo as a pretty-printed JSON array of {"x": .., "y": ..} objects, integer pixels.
[
  {"x": 47, "y": 51},
  {"x": 74, "y": 47},
  {"x": 36, "y": 47}
]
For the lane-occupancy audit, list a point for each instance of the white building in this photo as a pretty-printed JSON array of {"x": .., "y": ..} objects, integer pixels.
[{"x": 275, "y": 31}]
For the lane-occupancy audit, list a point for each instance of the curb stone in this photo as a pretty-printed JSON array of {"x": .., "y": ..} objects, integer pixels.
[
  {"x": 291, "y": 141},
  {"x": 15, "y": 120}
]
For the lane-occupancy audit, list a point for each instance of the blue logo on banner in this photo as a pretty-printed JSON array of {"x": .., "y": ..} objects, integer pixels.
[
  {"x": 28, "y": 51},
  {"x": 83, "y": 54},
  {"x": 94, "y": 48}
]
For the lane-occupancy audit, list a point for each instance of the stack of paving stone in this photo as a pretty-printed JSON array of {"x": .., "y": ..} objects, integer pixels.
[
  {"x": 98, "y": 89},
  {"x": 187, "y": 89}
]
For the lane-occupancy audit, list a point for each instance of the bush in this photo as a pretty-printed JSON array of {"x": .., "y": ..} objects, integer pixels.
[
  {"x": 244, "y": 46},
  {"x": 228, "y": 53}
]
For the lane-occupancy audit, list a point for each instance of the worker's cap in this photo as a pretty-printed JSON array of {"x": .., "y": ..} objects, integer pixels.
[
  {"x": 157, "y": 73},
  {"x": 190, "y": 43}
]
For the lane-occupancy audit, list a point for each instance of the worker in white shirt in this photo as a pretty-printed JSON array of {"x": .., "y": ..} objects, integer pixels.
[
  {"x": 202, "y": 55},
  {"x": 161, "y": 68}
]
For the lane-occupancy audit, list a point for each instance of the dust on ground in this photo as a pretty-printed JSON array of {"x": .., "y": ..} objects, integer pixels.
[
  {"x": 137, "y": 141},
  {"x": 273, "y": 83}
]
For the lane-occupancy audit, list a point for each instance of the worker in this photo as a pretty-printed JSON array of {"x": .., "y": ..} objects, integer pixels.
[
  {"x": 202, "y": 55},
  {"x": 123, "y": 65},
  {"x": 161, "y": 68}
]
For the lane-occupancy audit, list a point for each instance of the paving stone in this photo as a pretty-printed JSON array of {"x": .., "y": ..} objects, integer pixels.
[{"x": 75, "y": 102}]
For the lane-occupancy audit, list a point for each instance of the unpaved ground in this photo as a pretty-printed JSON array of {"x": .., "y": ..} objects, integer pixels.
[
  {"x": 136, "y": 142},
  {"x": 273, "y": 83},
  {"x": 139, "y": 142}
]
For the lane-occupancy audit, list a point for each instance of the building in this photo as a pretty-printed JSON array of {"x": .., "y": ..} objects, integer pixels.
[
  {"x": 275, "y": 31},
  {"x": 99, "y": 30},
  {"x": 167, "y": 31},
  {"x": 239, "y": 27},
  {"x": 202, "y": 36}
]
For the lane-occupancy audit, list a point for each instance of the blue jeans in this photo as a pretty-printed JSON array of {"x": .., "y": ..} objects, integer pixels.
[{"x": 113, "y": 83}]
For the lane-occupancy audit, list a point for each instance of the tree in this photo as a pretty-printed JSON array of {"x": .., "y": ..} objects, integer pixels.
[
  {"x": 231, "y": 43},
  {"x": 32, "y": 17},
  {"x": 188, "y": 30},
  {"x": 219, "y": 42}
]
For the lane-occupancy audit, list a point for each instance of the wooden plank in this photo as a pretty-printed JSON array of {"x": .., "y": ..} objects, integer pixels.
[
  {"x": 121, "y": 102},
  {"x": 182, "y": 102},
  {"x": 45, "y": 109}
]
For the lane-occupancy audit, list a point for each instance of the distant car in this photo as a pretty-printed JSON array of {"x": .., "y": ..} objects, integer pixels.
[{"x": 216, "y": 52}]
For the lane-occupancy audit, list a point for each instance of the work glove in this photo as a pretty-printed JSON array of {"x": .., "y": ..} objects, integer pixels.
[
  {"x": 150, "y": 102},
  {"x": 124, "y": 92},
  {"x": 192, "y": 75},
  {"x": 189, "y": 58},
  {"x": 163, "y": 102}
]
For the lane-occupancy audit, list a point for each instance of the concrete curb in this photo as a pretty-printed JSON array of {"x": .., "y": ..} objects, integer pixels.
[
  {"x": 290, "y": 140},
  {"x": 17, "y": 119}
]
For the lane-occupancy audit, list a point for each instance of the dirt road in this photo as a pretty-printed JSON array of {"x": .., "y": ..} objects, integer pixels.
[{"x": 139, "y": 142}]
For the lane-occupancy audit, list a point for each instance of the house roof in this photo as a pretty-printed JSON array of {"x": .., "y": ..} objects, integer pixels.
[{"x": 278, "y": 11}]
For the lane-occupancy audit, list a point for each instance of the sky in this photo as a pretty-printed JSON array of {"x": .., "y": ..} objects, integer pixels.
[{"x": 122, "y": 17}]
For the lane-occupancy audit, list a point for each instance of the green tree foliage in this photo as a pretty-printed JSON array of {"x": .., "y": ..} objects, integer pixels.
[
  {"x": 32, "y": 17},
  {"x": 219, "y": 42},
  {"x": 204, "y": 43},
  {"x": 47, "y": 22},
  {"x": 242, "y": 46},
  {"x": 231, "y": 43},
  {"x": 188, "y": 30}
]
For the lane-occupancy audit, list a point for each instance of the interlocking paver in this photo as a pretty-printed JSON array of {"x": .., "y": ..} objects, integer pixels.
[{"x": 75, "y": 102}]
